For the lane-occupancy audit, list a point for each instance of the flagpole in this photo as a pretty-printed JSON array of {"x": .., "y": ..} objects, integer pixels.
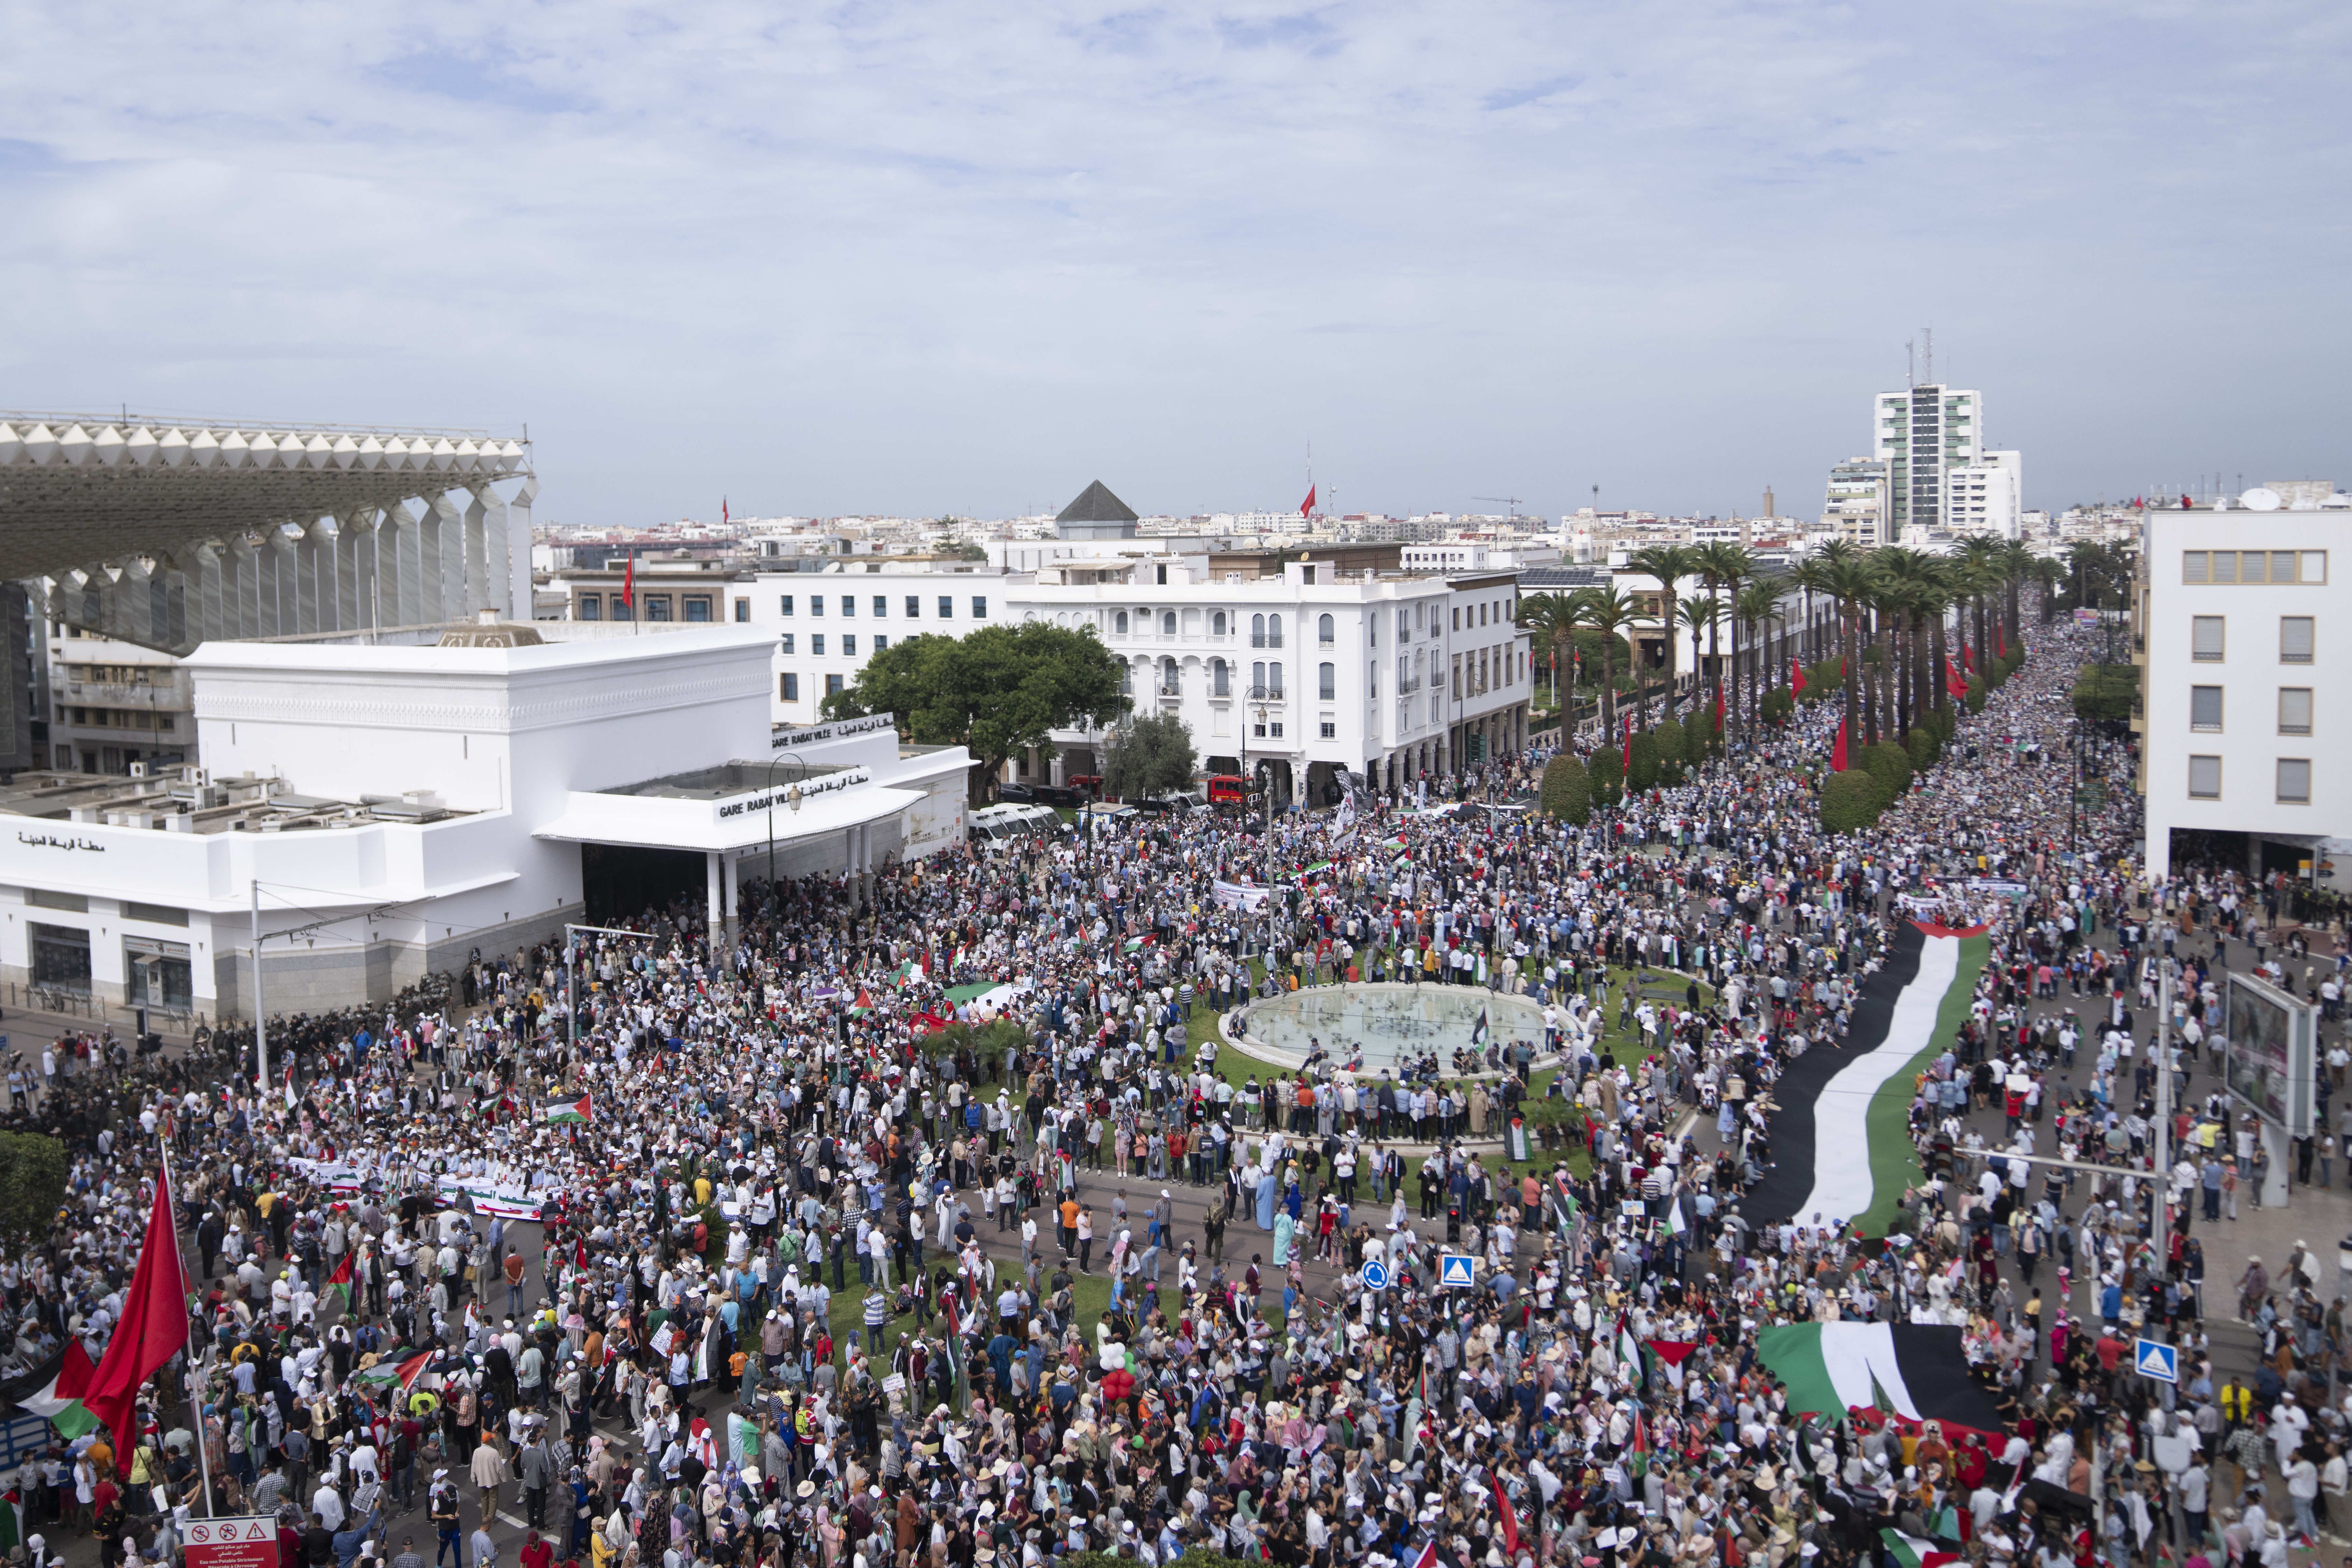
[{"x": 195, "y": 1385}]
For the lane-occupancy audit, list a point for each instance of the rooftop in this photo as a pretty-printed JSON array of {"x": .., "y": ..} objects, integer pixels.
[{"x": 190, "y": 800}]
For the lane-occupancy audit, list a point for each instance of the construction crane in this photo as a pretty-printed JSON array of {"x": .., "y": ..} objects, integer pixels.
[{"x": 1511, "y": 502}]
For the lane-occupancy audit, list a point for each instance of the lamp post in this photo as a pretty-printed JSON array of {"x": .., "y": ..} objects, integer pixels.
[{"x": 791, "y": 799}]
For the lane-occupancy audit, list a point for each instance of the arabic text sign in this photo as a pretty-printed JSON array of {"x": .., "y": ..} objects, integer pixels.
[
  {"x": 246, "y": 1543},
  {"x": 51, "y": 841}
]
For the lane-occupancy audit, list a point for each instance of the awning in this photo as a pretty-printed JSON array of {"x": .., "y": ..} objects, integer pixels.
[{"x": 658, "y": 822}]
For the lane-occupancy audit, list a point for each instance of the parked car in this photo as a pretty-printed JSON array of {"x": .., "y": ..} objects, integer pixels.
[
  {"x": 1162, "y": 804},
  {"x": 1058, "y": 795},
  {"x": 1090, "y": 782},
  {"x": 1017, "y": 793}
]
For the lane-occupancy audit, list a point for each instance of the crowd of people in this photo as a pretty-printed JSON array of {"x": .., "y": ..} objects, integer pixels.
[{"x": 821, "y": 1245}]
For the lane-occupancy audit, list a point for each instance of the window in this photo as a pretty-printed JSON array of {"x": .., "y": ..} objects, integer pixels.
[
  {"x": 1327, "y": 630},
  {"x": 2295, "y": 711},
  {"x": 947, "y": 607},
  {"x": 1330, "y": 731},
  {"x": 1220, "y": 679},
  {"x": 849, "y": 604},
  {"x": 1274, "y": 631},
  {"x": 880, "y": 642},
  {"x": 742, "y": 609},
  {"x": 832, "y": 685},
  {"x": 592, "y": 607},
  {"x": 698, "y": 607},
  {"x": 1327, "y": 681},
  {"x": 881, "y": 605},
  {"x": 2275, "y": 566},
  {"x": 2314, "y": 566},
  {"x": 1276, "y": 726},
  {"x": 979, "y": 607},
  {"x": 2205, "y": 638},
  {"x": 788, "y": 687},
  {"x": 816, "y": 644},
  {"x": 2295, "y": 639},
  {"x": 1118, "y": 622},
  {"x": 786, "y": 642},
  {"x": 1274, "y": 680},
  {"x": 657, "y": 608},
  {"x": 1258, "y": 631},
  {"x": 1168, "y": 686},
  {"x": 1457, "y": 617},
  {"x": 1216, "y": 623},
  {"x": 848, "y": 645},
  {"x": 2294, "y": 781},
  {"x": 2195, "y": 566},
  {"x": 1160, "y": 575},
  {"x": 816, "y": 604},
  {"x": 786, "y": 605},
  {"x": 622, "y": 609},
  {"x": 2204, "y": 778},
  {"x": 914, "y": 606},
  {"x": 1258, "y": 679},
  {"x": 2205, "y": 708},
  {"x": 1167, "y": 622}
]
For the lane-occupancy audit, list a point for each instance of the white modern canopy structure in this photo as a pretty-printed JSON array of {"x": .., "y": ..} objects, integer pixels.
[{"x": 167, "y": 533}]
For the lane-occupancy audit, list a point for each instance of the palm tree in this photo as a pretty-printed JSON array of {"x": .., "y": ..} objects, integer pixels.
[
  {"x": 1669, "y": 564},
  {"x": 1757, "y": 604},
  {"x": 1606, "y": 611},
  {"x": 1553, "y": 619},
  {"x": 1979, "y": 556},
  {"x": 2048, "y": 572},
  {"x": 1812, "y": 577},
  {"x": 1849, "y": 584},
  {"x": 1699, "y": 616},
  {"x": 1723, "y": 566},
  {"x": 2016, "y": 565}
]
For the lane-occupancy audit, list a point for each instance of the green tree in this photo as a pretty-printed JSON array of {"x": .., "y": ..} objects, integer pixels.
[
  {"x": 2104, "y": 693},
  {"x": 1567, "y": 790},
  {"x": 1151, "y": 753},
  {"x": 1890, "y": 765},
  {"x": 32, "y": 1184},
  {"x": 1606, "y": 768},
  {"x": 1674, "y": 741},
  {"x": 997, "y": 692},
  {"x": 1922, "y": 744},
  {"x": 1850, "y": 802},
  {"x": 1669, "y": 564},
  {"x": 1642, "y": 775}
]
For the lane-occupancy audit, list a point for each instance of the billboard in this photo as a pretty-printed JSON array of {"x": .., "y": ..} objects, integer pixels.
[{"x": 2272, "y": 1057}]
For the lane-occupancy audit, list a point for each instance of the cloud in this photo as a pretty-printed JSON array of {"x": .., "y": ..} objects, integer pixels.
[{"x": 872, "y": 257}]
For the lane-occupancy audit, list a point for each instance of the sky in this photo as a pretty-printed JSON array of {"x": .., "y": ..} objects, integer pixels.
[{"x": 914, "y": 259}]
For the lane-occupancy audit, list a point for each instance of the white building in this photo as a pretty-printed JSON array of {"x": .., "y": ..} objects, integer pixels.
[
  {"x": 393, "y": 808},
  {"x": 1859, "y": 507},
  {"x": 2238, "y": 624},
  {"x": 113, "y": 704},
  {"x": 1922, "y": 433},
  {"x": 1987, "y": 496}
]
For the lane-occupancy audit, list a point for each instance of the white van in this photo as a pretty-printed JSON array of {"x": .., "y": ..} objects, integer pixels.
[{"x": 993, "y": 825}]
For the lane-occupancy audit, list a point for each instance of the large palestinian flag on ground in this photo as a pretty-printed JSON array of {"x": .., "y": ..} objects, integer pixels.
[
  {"x": 1915, "y": 1371},
  {"x": 1840, "y": 1134}
]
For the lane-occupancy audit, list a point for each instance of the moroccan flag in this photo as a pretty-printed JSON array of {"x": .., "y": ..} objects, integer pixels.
[
  {"x": 1306, "y": 507},
  {"x": 722, "y": 510},
  {"x": 1914, "y": 1553},
  {"x": 53, "y": 1391},
  {"x": 1719, "y": 707},
  {"x": 1669, "y": 1354},
  {"x": 1628, "y": 758},
  {"x": 1917, "y": 1371},
  {"x": 924, "y": 1023},
  {"x": 629, "y": 581},
  {"x": 153, "y": 1327},
  {"x": 2000, "y": 642},
  {"x": 1952, "y": 681},
  {"x": 568, "y": 1111},
  {"x": 1967, "y": 658},
  {"x": 1506, "y": 1513},
  {"x": 1796, "y": 674},
  {"x": 1837, "y": 752}
]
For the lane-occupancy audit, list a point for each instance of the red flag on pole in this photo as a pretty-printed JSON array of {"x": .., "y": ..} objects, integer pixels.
[
  {"x": 722, "y": 510},
  {"x": 1306, "y": 507},
  {"x": 152, "y": 1330},
  {"x": 629, "y": 581},
  {"x": 1628, "y": 757},
  {"x": 1719, "y": 707},
  {"x": 1796, "y": 674},
  {"x": 1952, "y": 681},
  {"x": 1967, "y": 658},
  {"x": 1837, "y": 752},
  {"x": 1509, "y": 1515},
  {"x": 2000, "y": 642}
]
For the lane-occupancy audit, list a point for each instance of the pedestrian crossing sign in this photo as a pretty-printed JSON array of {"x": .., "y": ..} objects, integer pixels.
[
  {"x": 1457, "y": 1270},
  {"x": 2154, "y": 1358}
]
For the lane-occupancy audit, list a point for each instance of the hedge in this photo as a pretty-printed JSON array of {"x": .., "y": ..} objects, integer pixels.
[
  {"x": 1673, "y": 741},
  {"x": 1890, "y": 765},
  {"x": 1642, "y": 775},
  {"x": 1850, "y": 802},
  {"x": 1922, "y": 745},
  {"x": 1701, "y": 734},
  {"x": 1976, "y": 694},
  {"x": 1779, "y": 705},
  {"x": 1567, "y": 790},
  {"x": 1605, "y": 771}
]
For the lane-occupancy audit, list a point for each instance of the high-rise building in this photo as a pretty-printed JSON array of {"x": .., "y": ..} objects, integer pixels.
[
  {"x": 1857, "y": 504},
  {"x": 1922, "y": 434},
  {"x": 1986, "y": 496}
]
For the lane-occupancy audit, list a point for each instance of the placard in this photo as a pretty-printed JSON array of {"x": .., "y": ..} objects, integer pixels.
[{"x": 248, "y": 1542}]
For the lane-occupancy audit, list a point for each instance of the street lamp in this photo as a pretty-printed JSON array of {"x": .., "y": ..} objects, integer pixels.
[{"x": 791, "y": 799}]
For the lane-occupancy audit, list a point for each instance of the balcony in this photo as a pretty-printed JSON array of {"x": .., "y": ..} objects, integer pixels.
[{"x": 1262, "y": 640}]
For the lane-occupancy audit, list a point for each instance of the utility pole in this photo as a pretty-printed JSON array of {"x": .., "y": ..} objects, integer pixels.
[
  {"x": 260, "y": 1013},
  {"x": 2163, "y": 1108}
]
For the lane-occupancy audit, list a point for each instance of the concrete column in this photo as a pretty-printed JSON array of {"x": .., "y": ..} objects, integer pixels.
[
  {"x": 432, "y": 544},
  {"x": 733, "y": 897},
  {"x": 206, "y": 615},
  {"x": 452, "y": 556},
  {"x": 714, "y": 900},
  {"x": 237, "y": 588},
  {"x": 477, "y": 588},
  {"x": 395, "y": 565},
  {"x": 515, "y": 533},
  {"x": 347, "y": 605},
  {"x": 311, "y": 553}
]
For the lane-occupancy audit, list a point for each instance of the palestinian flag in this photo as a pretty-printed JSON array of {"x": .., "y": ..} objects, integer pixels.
[
  {"x": 53, "y": 1391},
  {"x": 907, "y": 973},
  {"x": 1915, "y": 1553},
  {"x": 863, "y": 1005},
  {"x": 1917, "y": 1371},
  {"x": 567, "y": 1110},
  {"x": 403, "y": 1372},
  {"x": 339, "y": 1283},
  {"x": 1479, "y": 1029},
  {"x": 1841, "y": 1132},
  {"x": 1669, "y": 1356}
]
